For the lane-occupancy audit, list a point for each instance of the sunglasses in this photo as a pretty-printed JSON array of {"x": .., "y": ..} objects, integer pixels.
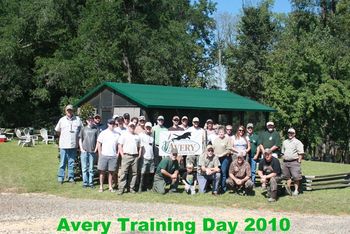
[
  {"x": 111, "y": 123},
  {"x": 210, "y": 150},
  {"x": 241, "y": 130},
  {"x": 177, "y": 120}
]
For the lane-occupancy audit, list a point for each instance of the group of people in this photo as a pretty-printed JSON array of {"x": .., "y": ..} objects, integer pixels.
[{"x": 127, "y": 149}]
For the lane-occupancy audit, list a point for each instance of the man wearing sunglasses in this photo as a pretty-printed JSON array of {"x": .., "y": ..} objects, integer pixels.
[{"x": 107, "y": 146}]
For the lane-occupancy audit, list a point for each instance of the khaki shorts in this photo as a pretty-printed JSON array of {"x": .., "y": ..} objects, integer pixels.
[
  {"x": 291, "y": 169},
  {"x": 107, "y": 163}
]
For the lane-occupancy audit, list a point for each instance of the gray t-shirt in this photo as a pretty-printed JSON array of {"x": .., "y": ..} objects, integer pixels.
[{"x": 88, "y": 136}]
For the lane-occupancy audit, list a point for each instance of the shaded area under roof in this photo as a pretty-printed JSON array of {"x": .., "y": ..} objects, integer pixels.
[{"x": 169, "y": 97}]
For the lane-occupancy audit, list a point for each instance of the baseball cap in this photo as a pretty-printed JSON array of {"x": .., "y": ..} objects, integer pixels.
[
  {"x": 69, "y": 107},
  {"x": 250, "y": 125},
  {"x": 210, "y": 147},
  {"x": 148, "y": 124},
  {"x": 176, "y": 117},
  {"x": 161, "y": 117},
  {"x": 142, "y": 117},
  {"x": 126, "y": 116},
  {"x": 270, "y": 123},
  {"x": 111, "y": 121},
  {"x": 131, "y": 124},
  {"x": 291, "y": 130},
  {"x": 195, "y": 119},
  {"x": 210, "y": 121},
  {"x": 240, "y": 155},
  {"x": 174, "y": 151},
  {"x": 97, "y": 116},
  {"x": 115, "y": 116},
  {"x": 267, "y": 151},
  {"x": 184, "y": 117}
]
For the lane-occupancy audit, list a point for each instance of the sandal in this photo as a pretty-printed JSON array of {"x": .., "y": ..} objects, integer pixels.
[
  {"x": 100, "y": 190},
  {"x": 112, "y": 190}
]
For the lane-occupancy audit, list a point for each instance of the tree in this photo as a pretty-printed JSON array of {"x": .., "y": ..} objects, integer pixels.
[{"x": 245, "y": 61}]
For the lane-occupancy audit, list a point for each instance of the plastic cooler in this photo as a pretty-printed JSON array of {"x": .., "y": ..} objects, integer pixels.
[{"x": 2, "y": 138}]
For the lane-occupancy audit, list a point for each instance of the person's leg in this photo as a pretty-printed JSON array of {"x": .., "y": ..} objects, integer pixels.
[
  {"x": 287, "y": 175},
  {"x": 110, "y": 180},
  {"x": 71, "y": 160},
  {"x": 248, "y": 186},
  {"x": 295, "y": 171},
  {"x": 273, "y": 188},
  {"x": 202, "y": 182},
  {"x": 216, "y": 181},
  {"x": 134, "y": 168},
  {"x": 174, "y": 184},
  {"x": 91, "y": 168},
  {"x": 123, "y": 172},
  {"x": 193, "y": 189},
  {"x": 253, "y": 169},
  {"x": 159, "y": 184},
  {"x": 102, "y": 177},
  {"x": 62, "y": 166},
  {"x": 230, "y": 184},
  {"x": 187, "y": 188},
  {"x": 84, "y": 159},
  {"x": 224, "y": 171}
]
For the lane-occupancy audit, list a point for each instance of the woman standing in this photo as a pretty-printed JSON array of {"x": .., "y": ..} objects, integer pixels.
[{"x": 240, "y": 143}]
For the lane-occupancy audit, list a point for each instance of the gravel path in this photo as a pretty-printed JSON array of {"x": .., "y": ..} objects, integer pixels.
[{"x": 39, "y": 213}]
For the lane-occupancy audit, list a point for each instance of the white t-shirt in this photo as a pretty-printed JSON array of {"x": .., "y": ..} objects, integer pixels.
[
  {"x": 69, "y": 129},
  {"x": 109, "y": 140},
  {"x": 147, "y": 142},
  {"x": 130, "y": 142},
  {"x": 120, "y": 130}
]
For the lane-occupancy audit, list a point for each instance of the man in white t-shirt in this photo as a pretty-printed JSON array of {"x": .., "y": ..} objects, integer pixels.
[
  {"x": 107, "y": 146},
  {"x": 68, "y": 127},
  {"x": 129, "y": 148},
  {"x": 147, "y": 158},
  {"x": 193, "y": 159}
]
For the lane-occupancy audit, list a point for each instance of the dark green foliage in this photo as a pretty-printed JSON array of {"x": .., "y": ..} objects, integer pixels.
[{"x": 53, "y": 51}]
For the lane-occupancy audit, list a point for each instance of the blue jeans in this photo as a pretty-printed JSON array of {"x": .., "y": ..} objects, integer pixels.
[
  {"x": 67, "y": 157},
  {"x": 203, "y": 179},
  {"x": 225, "y": 165},
  {"x": 253, "y": 168},
  {"x": 87, "y": 167}
]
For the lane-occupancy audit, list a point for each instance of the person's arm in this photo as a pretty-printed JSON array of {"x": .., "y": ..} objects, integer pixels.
[
  {"x": 81, "y": 145},
  {"x": 248, "y": 147},
  {"x": 300, "y": 149},
  {"x": 121, "y": 151},
  {"x": 165, "y": 173},
  {"x": 99, "y": 148},
  {"x": 273, "y": 174},
  {"x": 256, "y": 156}
]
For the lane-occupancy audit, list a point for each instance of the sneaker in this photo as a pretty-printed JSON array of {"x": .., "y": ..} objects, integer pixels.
[
  {"x": 71, "y": 181},
  {"x": 120, "y": 192},
  {"x": 271, "y": 199},
  {"x": 295, "y": 193},
  {"x": 173, "y": 190},
  {"x": 288, "y": 190},
  {"x": 215, "y": 193},
  {"x": 132, "y": 191},
  {"x": 112, "y": 190},
  {"x": 85, "y": 186}
]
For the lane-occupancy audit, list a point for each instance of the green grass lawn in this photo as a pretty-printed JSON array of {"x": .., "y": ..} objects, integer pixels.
[{"x": 34, "y": 169}]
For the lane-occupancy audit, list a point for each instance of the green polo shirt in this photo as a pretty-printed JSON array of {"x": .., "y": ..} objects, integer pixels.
[
  {"x": 254, "y": 143},
  {"x": 167, "y": 164},
  {"x": 269, "y": 139}
]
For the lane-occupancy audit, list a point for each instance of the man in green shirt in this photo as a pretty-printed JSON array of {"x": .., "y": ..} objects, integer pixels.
[
  {"x": 270, "y": 139},
  {"x": 253, "y": 154},
  {"x": 156, "y": 133},
  {"x": 167, "y": 173}
]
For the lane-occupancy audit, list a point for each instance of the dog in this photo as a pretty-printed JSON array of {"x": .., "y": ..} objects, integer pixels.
[{"x": 186, "y": 135}]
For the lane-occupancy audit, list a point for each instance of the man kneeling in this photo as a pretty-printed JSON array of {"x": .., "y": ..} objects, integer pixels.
[
  {"x": 208, "y": 171},
  {"x": 167, "y": 173},
  {"x": 270, "y": 174},
  {"x": 239, "y": 176}
]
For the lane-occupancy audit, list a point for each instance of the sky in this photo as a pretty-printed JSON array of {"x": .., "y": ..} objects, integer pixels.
[{"x": 234, "y": 6}]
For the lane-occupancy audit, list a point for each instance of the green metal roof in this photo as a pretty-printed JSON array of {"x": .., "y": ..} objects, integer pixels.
[{"x": 169, "y": 97}]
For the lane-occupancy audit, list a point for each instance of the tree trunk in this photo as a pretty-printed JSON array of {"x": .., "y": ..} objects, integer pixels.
[{"x": 128, "y": 67}]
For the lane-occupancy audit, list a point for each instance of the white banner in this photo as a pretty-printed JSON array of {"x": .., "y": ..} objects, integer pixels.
[{"x": 187, "y": 143}]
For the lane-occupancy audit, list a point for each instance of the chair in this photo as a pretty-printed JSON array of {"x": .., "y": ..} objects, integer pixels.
[
  {"x": 24, "y": 140},
  {"x": 46, "y": 138}
]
